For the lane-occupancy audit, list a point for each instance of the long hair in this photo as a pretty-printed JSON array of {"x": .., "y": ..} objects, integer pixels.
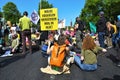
[
  {"x": 109, "y": 25},
  {"x": 88, "y": 43}
]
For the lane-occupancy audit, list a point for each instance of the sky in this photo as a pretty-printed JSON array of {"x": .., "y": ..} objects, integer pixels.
[{"x": 67, "y": 9}]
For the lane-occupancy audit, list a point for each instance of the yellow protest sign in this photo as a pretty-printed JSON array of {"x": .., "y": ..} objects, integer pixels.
[{"x": 49, "y": 19}]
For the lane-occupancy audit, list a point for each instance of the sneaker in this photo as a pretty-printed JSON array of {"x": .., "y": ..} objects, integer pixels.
[
  {"x": 10, "y": 54},
  {"x": 70, "y": 60}
]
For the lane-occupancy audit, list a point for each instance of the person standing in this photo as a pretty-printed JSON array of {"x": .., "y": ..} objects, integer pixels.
[
  {"x": 81, "y": 26},
  {"x": 101, "y": 28},
  {"x": 25, "y": 24},
  {"x": 78, "y": 37},
  {"x": 111, "y": 35}
]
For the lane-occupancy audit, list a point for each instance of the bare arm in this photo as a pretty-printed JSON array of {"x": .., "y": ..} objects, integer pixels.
[{"x": 49, "y": 49}]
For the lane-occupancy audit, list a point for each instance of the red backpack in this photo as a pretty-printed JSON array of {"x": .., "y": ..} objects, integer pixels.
[{"x": 58, "y": 55}]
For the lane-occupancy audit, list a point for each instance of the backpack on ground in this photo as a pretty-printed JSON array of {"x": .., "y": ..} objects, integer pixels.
[
  {"x": 58, "y": 55},
  {"x": 44, "y": 50}
]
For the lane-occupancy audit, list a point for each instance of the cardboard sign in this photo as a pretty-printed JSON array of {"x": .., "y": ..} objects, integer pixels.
[{"x": 49, "y": 19}]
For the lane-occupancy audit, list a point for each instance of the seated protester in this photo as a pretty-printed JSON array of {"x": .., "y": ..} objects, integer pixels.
[
  {"x": 67, "y": 41},
  {"x": 72, "y": 32},
  {"x": 58, "y": 52},
  {"x": 56, "y": 35},
  {"x": 88, "y": 59},
  {"x": 45, "y": 45},
  {"x": 10, "y": 36},
  {"x": 15, "y": 43},
  {"x": 51, "y": 39},
  {"x": 33, "y": 36},
  {"x": 37, "y": 39}
]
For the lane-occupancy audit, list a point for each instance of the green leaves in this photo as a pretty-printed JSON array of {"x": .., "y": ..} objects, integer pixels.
[
  {"x": 93, "y": 7},
  {"x": 11, "y": 12}
]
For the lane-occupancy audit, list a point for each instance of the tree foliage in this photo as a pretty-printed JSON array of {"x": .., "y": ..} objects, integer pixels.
[
  {"x": 44, "y": 4},
  {"x": 1, "y": 14},
  {"x": 93, "y": 7},
  {"x": 11, "y": 12}
]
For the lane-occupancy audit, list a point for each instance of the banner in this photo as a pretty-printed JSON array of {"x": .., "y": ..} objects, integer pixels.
[
  {"x": 34, "y": 17},
  {"x": 49, "y": 19},
  {"x": 61, "y": 24},
  {"x": 92, "y": 27}
]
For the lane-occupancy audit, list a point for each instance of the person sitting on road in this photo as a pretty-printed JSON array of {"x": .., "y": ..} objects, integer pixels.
[
  {"x": 57, "y": 53},
  {"x": 15, "y": 43},
  {"x": 88, "y": 59}
]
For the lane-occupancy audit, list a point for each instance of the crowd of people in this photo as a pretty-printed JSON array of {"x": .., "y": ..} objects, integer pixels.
[
  {"x": 65, "y": 46},
  {"x": 18, "y": 37}
]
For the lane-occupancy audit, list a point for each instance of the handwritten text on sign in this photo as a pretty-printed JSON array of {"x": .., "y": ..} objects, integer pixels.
[{"x": 49, "y": 19}]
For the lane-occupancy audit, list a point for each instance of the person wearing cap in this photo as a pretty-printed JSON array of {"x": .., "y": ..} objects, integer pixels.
[
  {"x": 101, "y": 28},
  {"x": 25, "y": 24}
]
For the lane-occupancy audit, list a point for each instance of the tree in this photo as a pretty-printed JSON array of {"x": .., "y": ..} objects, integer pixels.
[
  {"x": 44, "y": 4},
  {"x": 112, "y": 9},
  {"x": 93, "y": 7},
  {"x": 11, "y": 12},
  {"x": 1, "y": 14}
]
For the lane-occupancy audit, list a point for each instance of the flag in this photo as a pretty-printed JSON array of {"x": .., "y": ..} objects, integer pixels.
[
  {"x": 61, "y": 23},
  {"x": 34, "y": 17},
  {"x": 92, "y": 27}
]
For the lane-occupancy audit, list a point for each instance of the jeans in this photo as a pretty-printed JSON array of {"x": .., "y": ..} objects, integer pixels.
[
  {"x": 101, "y": 39},
  {"x": 114, "y": 40},
  {"x": 88, "y": 67}
]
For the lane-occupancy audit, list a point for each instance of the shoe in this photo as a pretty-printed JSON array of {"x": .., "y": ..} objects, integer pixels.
[
  {"x": 10, "y": 54},
  {"x": 70, "y": 60}
]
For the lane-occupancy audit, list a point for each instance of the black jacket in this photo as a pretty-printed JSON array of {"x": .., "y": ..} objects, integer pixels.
[
  {"x": 80, "y": 25},
  {"x": 101, "y": 25}
]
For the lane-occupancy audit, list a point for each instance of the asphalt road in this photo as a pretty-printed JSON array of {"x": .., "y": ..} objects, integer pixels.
[{"x": 27, "y": 67}]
